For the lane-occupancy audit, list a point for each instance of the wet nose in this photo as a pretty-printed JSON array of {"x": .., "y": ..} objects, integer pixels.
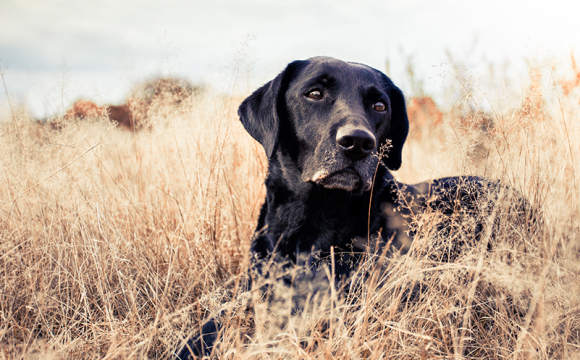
[{"x": 355, "y": 142}]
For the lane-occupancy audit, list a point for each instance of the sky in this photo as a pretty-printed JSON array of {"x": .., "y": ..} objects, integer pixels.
[{"x": 53, "y": 52}]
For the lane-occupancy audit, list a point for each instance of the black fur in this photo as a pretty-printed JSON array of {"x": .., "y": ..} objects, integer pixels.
[{"x": 321, "y": 182}]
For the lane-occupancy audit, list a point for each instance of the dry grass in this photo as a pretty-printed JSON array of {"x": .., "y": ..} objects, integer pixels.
[{"x": 118, "y": 245}]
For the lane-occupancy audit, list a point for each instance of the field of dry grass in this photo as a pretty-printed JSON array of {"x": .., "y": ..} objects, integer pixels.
[{"x": 118, "y": 244}]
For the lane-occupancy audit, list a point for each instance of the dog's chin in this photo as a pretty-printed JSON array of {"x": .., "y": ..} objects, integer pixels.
[{"x": 347, "y": 180}]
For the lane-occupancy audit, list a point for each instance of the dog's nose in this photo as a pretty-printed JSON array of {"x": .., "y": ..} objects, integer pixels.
[{"x": 355, "y": 142}]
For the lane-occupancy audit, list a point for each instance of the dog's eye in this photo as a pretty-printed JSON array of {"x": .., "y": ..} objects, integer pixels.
[
  {"x": 379, "y": 106},
  {"x": 314, "y": 94}
]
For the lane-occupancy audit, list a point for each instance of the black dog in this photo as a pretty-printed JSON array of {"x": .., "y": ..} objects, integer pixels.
[{"x": 322, "y": 123}]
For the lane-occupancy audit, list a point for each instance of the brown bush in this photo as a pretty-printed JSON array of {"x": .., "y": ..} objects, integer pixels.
[
  {"x": 424, "y": 115},
  {"x": 533, "y": 102},
  {"x": 569, "y": 84},
  {"x": 152, "y": 96},
  {"x": 164, "y": 91},
  {"x": 131, "y": 115},
  {"x": 82, "y": 109}
]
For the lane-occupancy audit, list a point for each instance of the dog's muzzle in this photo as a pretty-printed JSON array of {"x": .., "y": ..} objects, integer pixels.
[{"x": 348, "y": 179}]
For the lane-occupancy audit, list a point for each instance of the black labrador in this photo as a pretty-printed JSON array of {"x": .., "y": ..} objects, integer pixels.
[{"x": 324, "y": 124}]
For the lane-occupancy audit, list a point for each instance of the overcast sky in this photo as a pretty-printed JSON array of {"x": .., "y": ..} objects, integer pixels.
[{"x": 98, "y": 49}]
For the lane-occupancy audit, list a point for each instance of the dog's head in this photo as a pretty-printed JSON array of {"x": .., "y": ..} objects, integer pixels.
[{"x": 331, "y": 118}]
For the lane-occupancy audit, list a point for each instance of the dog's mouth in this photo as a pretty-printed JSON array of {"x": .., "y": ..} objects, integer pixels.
[{"x": 347, "y": 179}]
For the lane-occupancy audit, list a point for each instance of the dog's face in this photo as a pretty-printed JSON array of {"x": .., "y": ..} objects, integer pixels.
[{"x": 330, "y": 118}]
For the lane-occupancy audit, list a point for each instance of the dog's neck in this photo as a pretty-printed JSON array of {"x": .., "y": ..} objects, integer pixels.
[{"x": 300, "y": 216}]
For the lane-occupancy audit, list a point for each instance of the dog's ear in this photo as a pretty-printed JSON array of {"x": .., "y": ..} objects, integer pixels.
[
  {"x": 398, "y": 126},
  {"x": 263, "y": 111}
]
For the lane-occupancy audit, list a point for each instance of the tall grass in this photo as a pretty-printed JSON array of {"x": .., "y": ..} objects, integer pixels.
[{"x": 119, "y": 245}]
